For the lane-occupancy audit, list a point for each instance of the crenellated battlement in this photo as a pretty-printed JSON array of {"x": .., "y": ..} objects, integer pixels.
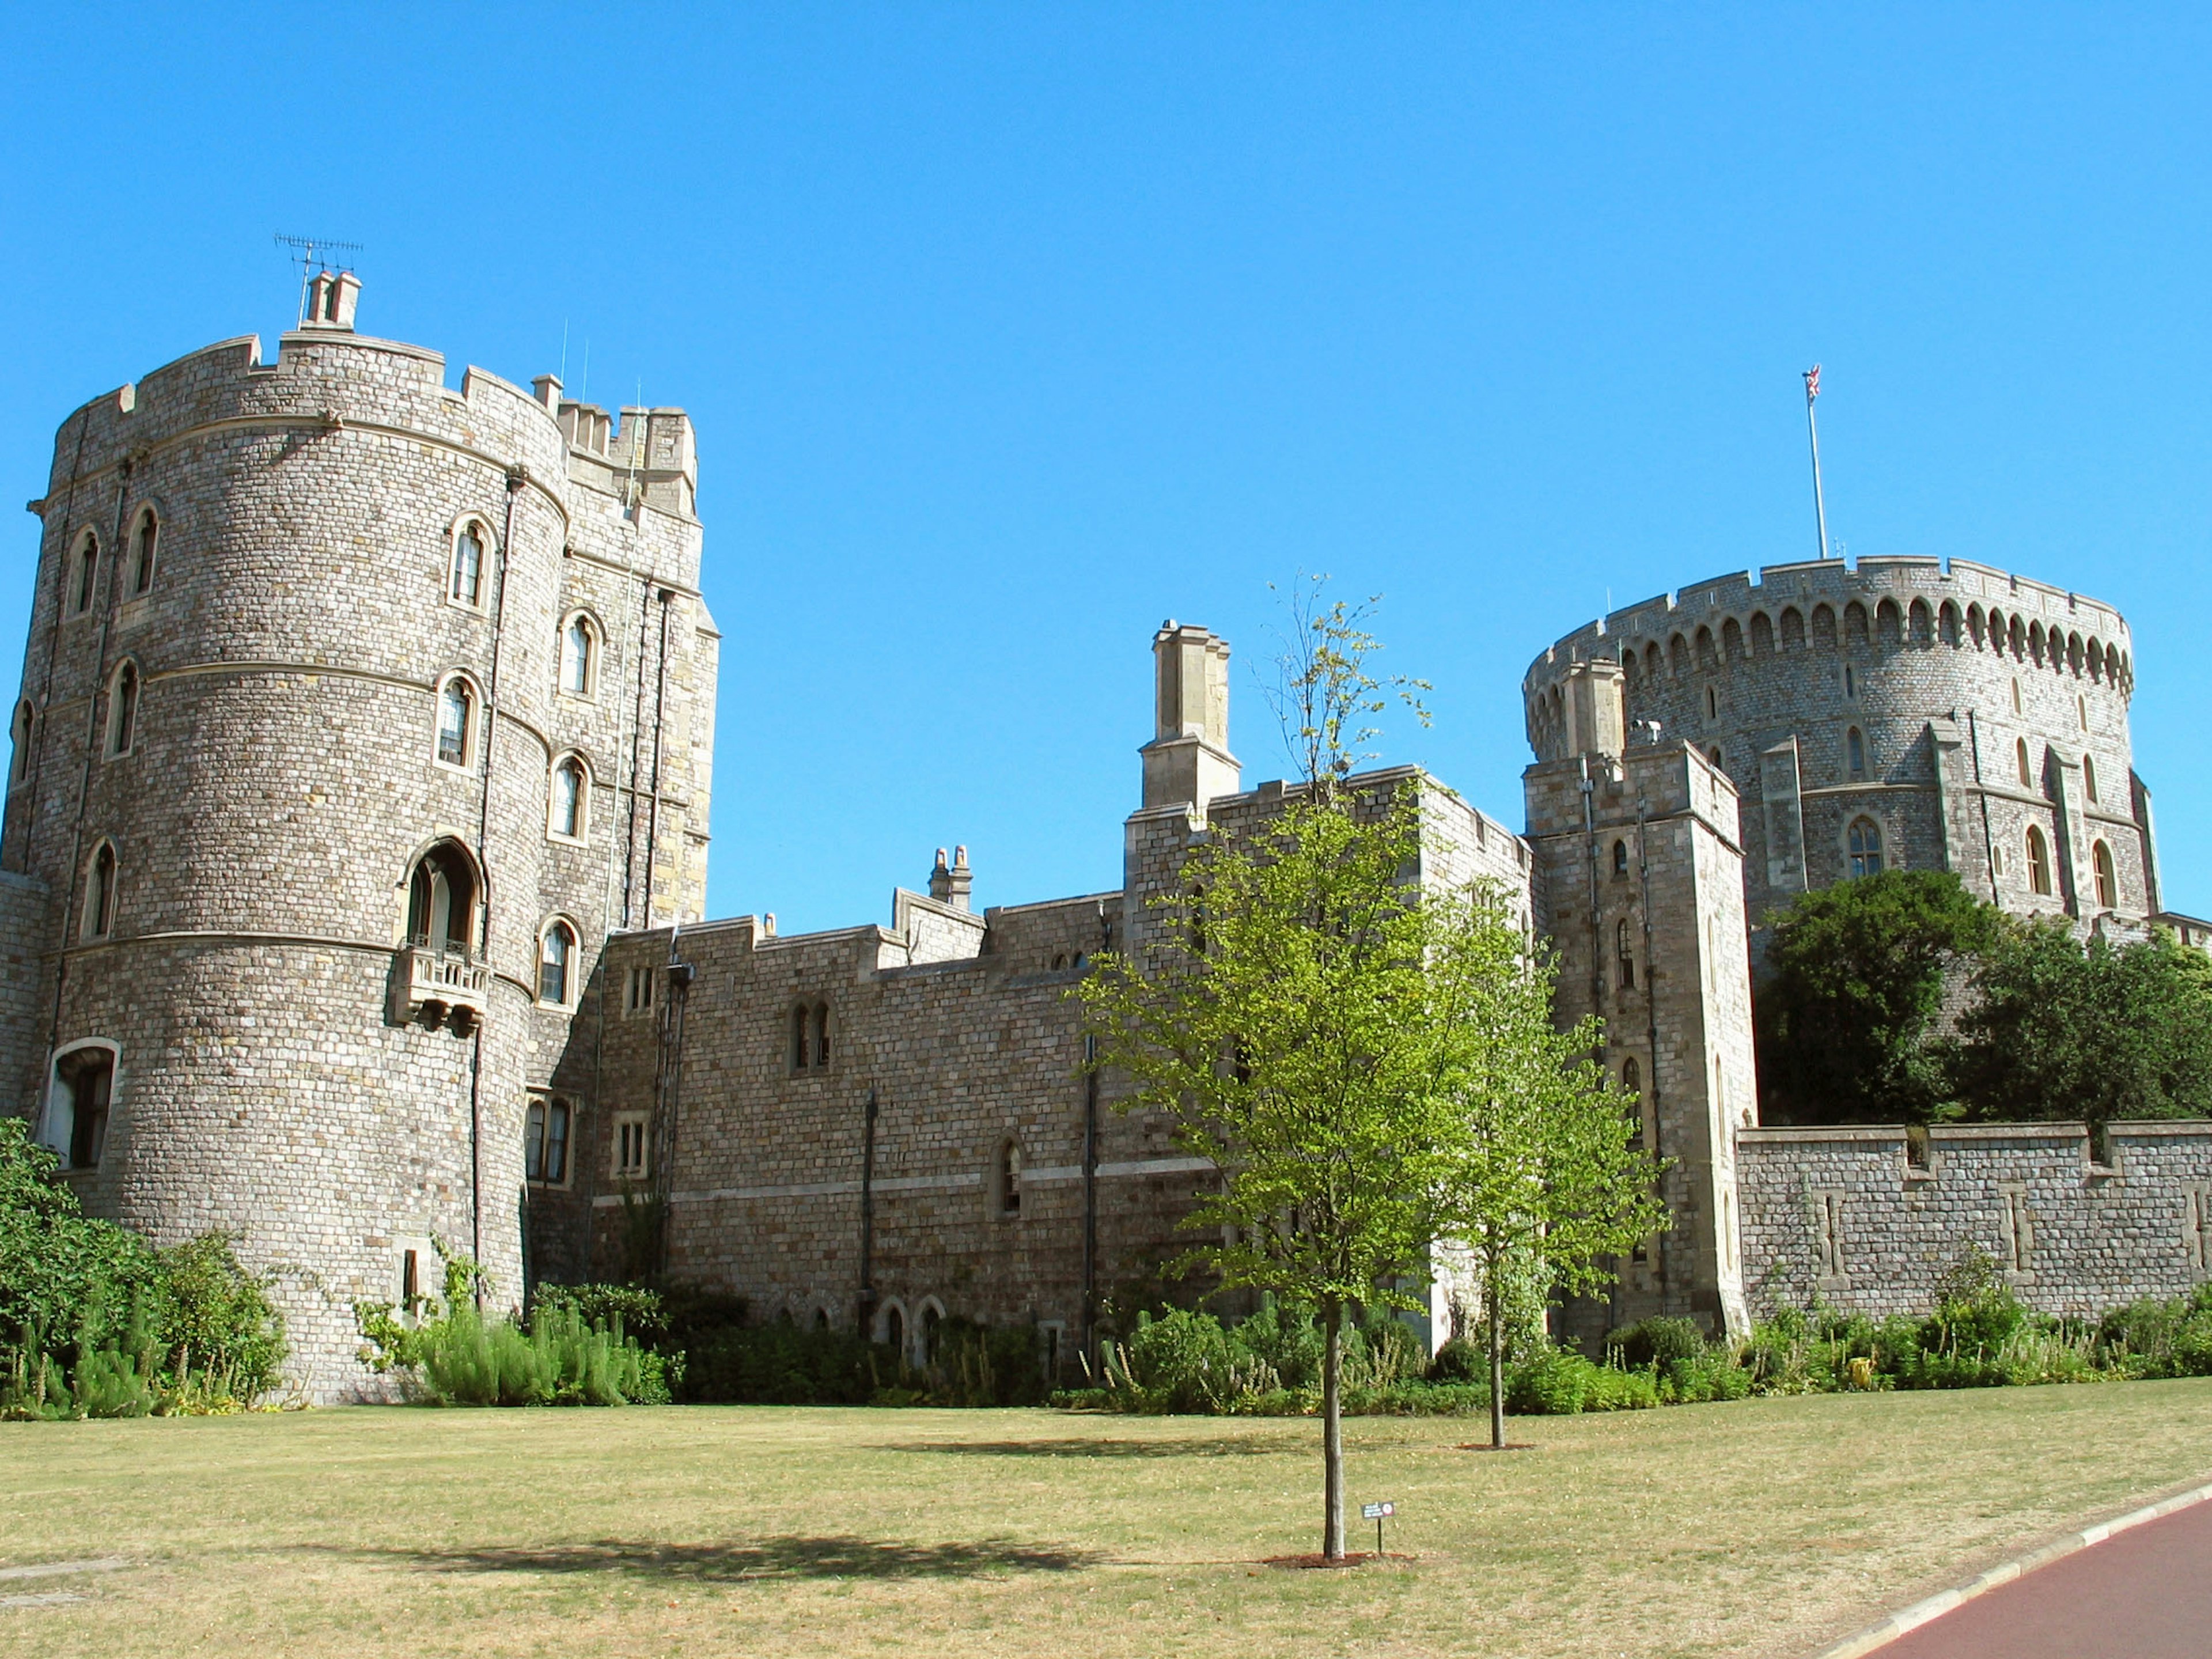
[
  {"x": 322, "y": 380},
  {"x": 1969, "y": 589}
]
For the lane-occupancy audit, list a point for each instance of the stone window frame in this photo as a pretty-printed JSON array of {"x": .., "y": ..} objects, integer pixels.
[
  {"x": 2107, "y": 874},
  {"x": 2037, "y": 846},
  {"x": 81, "y": 575},
  {"x": 487, "y": 545},
  {"x": 1856, "y": 769},
  {"x": 1881, "y": 847},
  {"x": 807, "y": 1035},
  {"x": 639, "y": 990},
  {"x": 46, "y": 1100},
  {"x": 594, "y": 652},
  {"x": 545, "y": 1102},
  {"x": 559, "y": 921},
  {"x": 2090, "y": 778},
  {"x": 629, "y": 1132},
  {"x": 1002, "y": 1182},
  {"x": 19, "y": 732},
  {"x": 95, "y": 923},
  {"x": 927, "y": 1328},
  {"x": 585, "y": 790},
  {"x": 143, "y": 552},
  {"x": 467, "y": 763},
  {"x": 2021, "y": 763},
  {"x": 120, "y": 720}
]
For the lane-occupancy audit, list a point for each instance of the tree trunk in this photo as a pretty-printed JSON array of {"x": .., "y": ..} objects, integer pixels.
[
  {"x": 1332, "y": 1429},
  {"x": 1495, "y": 1302}
]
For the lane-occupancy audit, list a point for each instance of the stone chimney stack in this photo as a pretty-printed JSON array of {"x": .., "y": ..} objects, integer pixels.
[
  {"x": 1188, "y": 762},
  {"x": 1596, "y": 709},
  {"x": 332, "y": 298},
  {"x": 952, "y": 884}
]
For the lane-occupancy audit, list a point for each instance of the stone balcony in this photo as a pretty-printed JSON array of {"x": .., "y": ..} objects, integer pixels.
[{"x": 439, "y": 987}]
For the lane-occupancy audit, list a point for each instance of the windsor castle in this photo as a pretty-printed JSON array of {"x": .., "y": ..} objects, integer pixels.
[{"x": 353, "y": 873}]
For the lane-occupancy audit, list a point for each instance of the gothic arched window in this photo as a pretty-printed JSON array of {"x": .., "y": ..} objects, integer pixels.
[
  {"x": 579, "y": 655},
  {"x": 466, "y": 583},
  {"x": 142, "y": 552},
  {"x": 85, "y": 577},
  {"x": 556, "y": 964},
  {"x": 2108, "y": 884},
  {"x": 455, "y": 702},
  {"x": 99, "y": 918},
  {"x": 441, "y": 901},
  {"x": 123, "y": 708},
  {"x": 2039, "y": 862},
  {"x": 571, "y": 786},
  {"x": 1623, "y": 948},
  {"x": 1863, "y": 844}
]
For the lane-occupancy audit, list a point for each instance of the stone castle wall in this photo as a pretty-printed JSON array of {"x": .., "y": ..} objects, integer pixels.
[
  {"x": 279, "y": 784},
  {"x": 1943, "y": 671},
  {"x": 1859, "y": 1220}
]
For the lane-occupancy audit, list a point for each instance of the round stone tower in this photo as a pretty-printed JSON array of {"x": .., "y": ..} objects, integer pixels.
[
  {"x": 356, "y": 712},
  {"x": 1899, "y": 712}
]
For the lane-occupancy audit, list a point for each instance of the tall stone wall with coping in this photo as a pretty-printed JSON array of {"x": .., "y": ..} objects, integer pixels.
[{"x": 1852, "y": 1217}]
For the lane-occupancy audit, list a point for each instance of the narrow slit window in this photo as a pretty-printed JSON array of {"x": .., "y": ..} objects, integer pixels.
[
  {"x": 576, "y": 654},
  {"x": 568, "y": 799},
  {"x": 2019, "y": 758},
  {"x": 2039, "y": 862},
  {"x": 467, "y": 584},
  {"x": 100, "y": 893},
  {"x": 454, "y": 703},
  {"x": 1625, "y": 949},
  {"x": 87, "y": 576},
  {"x": 20, "y": 765},
  {"x": 1854, "y": 752},
  {"x": 555, "y": 959},
  {"x": 142, "y": 552},
  {"x": 123, "y": 710},
  {"x": 2108, "y": 885},
  {"x": 2089, "y": 777}
]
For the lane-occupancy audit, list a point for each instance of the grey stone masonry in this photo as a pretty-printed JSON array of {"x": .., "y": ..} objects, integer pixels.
[
  {"x": 1638, "y": 867},
  {"x": 321, "y": 651},
  {"x": 1972, "y": 720},
  {"x": 1867, "y": 1220}
]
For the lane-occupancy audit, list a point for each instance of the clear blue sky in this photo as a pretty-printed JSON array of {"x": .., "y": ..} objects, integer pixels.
[{"x": 1009, "y": 331}]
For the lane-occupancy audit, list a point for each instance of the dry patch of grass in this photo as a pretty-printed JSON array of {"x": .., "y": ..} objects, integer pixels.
[{"x": 1761, "y": 1527}]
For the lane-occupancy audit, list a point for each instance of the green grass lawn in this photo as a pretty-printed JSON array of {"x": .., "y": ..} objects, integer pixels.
[{"x": 1764, "y": 1527}]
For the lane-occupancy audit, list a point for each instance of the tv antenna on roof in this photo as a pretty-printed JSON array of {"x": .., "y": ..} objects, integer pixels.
[{"x": 311, "y": 254}]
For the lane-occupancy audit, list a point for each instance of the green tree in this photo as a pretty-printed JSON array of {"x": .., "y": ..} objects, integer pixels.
[
  {"x": 2090, "y": 1031},
  {"x": 1855, "y": 979},
  {"x": 1288, "y": 1029},
  {"x": 1294, "y": 1051},
  {"x": 1550, "y": 1170}
]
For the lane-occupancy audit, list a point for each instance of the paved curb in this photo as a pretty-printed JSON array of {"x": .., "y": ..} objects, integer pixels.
[{"x": 1909, "y": 1619}]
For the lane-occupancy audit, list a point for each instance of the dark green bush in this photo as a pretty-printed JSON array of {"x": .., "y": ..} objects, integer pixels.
[
  {"x": 94, "y": 1322},
  {"x": 1657, "y": 1341},
  {"x": 1460, "y": 1361},
  {"x": 780, "y": 1364}
]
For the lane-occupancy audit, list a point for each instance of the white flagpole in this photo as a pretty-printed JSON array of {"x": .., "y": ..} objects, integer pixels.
[{"x": 1812, "y": 378}]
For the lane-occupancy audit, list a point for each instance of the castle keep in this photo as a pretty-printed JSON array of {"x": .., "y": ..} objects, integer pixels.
[{"x": 352, "y": 877}]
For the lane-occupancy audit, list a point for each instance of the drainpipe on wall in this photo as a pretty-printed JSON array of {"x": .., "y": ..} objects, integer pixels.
[
  {"x": 1651, "y": 1028},
  {"x": 517, "y": 476},
  {"x": 865, "y": 1310}
]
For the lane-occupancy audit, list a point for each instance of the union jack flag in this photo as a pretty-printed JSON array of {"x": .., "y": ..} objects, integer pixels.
[{"x": 1812, "y": 382}]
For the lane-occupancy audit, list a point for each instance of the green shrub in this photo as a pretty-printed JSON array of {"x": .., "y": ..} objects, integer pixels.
[
  {"x": 1657, "y": 1341},
  {"x": 1560, "y": 1382},
  {"x": 94, "y": 1322},
  {"x": 445, "y": 1353},
  {"x": 1460, "y": 1361},
  {"x": 780, "y": 1364}
]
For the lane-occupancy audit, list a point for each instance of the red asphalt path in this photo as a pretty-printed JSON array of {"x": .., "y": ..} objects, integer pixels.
[{"x": 2145, "y": 1594}]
